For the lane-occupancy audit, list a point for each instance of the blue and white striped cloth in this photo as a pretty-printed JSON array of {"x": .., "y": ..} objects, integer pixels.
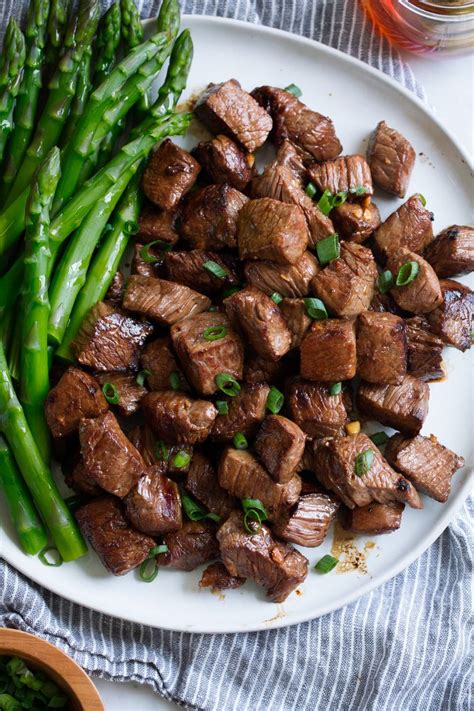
[{"x": 403, "y": 647}]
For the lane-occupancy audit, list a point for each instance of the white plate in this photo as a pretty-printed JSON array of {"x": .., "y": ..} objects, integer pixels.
[{"x": 356, "y": 97}]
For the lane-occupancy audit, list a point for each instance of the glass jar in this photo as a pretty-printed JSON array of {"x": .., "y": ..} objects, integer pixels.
[{"x": 429, "y": 27}]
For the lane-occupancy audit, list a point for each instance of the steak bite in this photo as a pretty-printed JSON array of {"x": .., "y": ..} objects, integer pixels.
[
  {"x": 176, "y": 418},
  {"x": 261, "y": 322},
  {"x": 391, "y": 159},
  {"x": 116, "y": 289},
  {"x": 425, "y": 462},
  {"x": 279, "y": 446},
  {"x": 381, "y": 348},
  {"x": 452, "y": 252},
  {"x": 328, "y": 351},
  {"x": 188, "y": 268},
  {"x": 276, "y": 566},
  {"x": 293, "y": 120},
  {"x": 108, "y": 340},
  {"x": 355, "y": 222},
  {"x": 347, "y": 174},
  {"x": 374, "y": 519},
  {"x": 202, "y": 482},
  {"x": 292, "y": 157},
  {"x": 160, "y": 456},
  {"x": 127, "y": 389},
  {"x": 410, "y": 226},
  {"x": 452, "y": 319},
  {"x": 159, "y": 363},
  {"x": 297, "y": 319},
  {"x": 156, "y": 224},
  {"x": 119, "y": 546},
  {"x": 163, "y": 301},
  {"x": 76, "y": 395},
  {"x": 217, "y": 577},
  {"x": 171, "y": 172},
  {"x": 270, "y": 229},
  {"x": 194, "y": 544},
  {"x": 337, "y": 467},
  {"x": 403, "y": 407},
  {"x": 315, "y": 410},
  {"x": 421, "y": 295},
  {"x": 347, "y": 284},
  {"x": 206, "y": 345},
  {"x": 77, "y": 477},
  {"x": 153, "y": 505},
  {"x": 245, "y": 413},
  {"x": 209, "y": 217},
  {"x": 290, "y": 280},
  {"x": 307, "y": 524},
  {"x": 425, "y": 350},
  {"x": 225, "y": 162}
]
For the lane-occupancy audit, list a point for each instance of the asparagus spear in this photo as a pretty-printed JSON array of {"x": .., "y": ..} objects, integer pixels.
[
  {"x": 108, "y": 40},
  {"x": 13, "y": 59},
  {"x": 57, "y": 23},
  {"x": 25, "y": 519},
  {"x": 132, "y": 29},
  {"x": 9, "y": 287},
  {"x": 83, "y": 89}
]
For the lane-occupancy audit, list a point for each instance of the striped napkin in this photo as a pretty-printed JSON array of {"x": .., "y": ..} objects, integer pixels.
[{"x": 403, "y": 647}]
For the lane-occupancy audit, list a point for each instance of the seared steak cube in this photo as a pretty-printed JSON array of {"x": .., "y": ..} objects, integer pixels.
[
  {"x": 292, "y": 119},
  {"x": 203, "y": 355},
  {"x": 262, "y": 370},
  {"x": 178, "y": 419},
  {"x": 76, "y": 395},
  {"x": 188, "y": 268},
  {"x": 347, "y": 284},
  {"x": 116, "y": 289},
  {"x": 153, "y": 505},
  {"x": 355, "y": 222},
  {"x": 160, "y": 365},
  {"x": 425, "y": 350},
  {"x": 337, "y": 467},
  {"x": 202, "y": 482},
  {"x": 217, "y": 577},
  {"x": 452, "y": 252},
  {"x": 194, "y": 544},
  {"x": 244, "y": 477},
  {"x": 163, "y": 301},
  {"x": 157, "y": 224},
  {"x": 279, "y": 446},
  {"x": 225, "y": 162},
  {"x": 425, "y": 462},
  {"x": 410, "y": 226},
  {"x": 167, "y": 458},
  {"x": 293, "y": 157},
  {"x": 261, "y": 321},
  {"x": 108, "y": 340},
  {"x": 374, "y": 519},
  {"x": 308, "y": 523},
  {"x": 209, "y": 217},
  {"x": 112, "y": 460},
  {"x": 119, "y": 546},
  {"x": 78, "y": 478},
  {"x": 226, "y": 108},
  {"x": 391, "y": 158},
  {"x": 297, "y": 319},
  {"x": 344, "y": 174},
  {"x": 315, "y": 410},
  {"x": 381, "y": 348},
  {"x": 245, "y": 412},
  {"x": 291, "y": 280},
  {"x": 421, "y": 295},
  {"x": 171, "y": 172},
  {"x": 128, "y": 390},
  {"x": 276, "y": 566},
  {"x": 328, "y": 351},
  {"x": 270, "y": 229},
  {"x": 403, "y": 407},
  {"x": 452, "y": 319}
]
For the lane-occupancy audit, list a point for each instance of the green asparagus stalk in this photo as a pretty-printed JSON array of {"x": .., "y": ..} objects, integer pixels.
[
  {"x": 57, "y": 24},
  {"x": 176, "y": 77},
  {"x": 132, "y": 29},
  {"x": 14, "y": 351},
  {"x": 83, "y": 89},
  {"x": 9, "y": 284},
  {"x": 108, "y": 40},
  {"x": 11, "y": 72}
]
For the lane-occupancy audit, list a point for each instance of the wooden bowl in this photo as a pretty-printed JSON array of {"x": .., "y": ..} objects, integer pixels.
[{"x": 57, "y": 665}]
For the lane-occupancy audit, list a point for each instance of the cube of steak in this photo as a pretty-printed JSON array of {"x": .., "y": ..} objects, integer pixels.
[
  {"x": 188, "y": 268},
  {"x": 226, "y": 108},
  {"x": 279, "y": 568},
  {"x": 279, "y": 446},
  {"x": 344, "y": 174},
  {"x": 452, "y": 252},
  {"x": 291, "y": 280},
  {"x": 202, "y": 356},
  {"x": 209, "y": 217},
  {"x": 76, "y": 395},
  {"x": 452, "y": 319},
  {"x": 335, "y": 468},
  {"x": 108, "y": 340},
  {"x": 128, "y": 390},
  {"x": 176, "y": 418},
  {"x": 328, "y": 351},
  {"x": 171, "y": 172},
  {"x": 261, "y": 322},
  {"x": 347, "y": 284},
  {"x": 391, "y": 158},
  {"x": 425, "y": 350},
  {"x": 116, "y": 289},
  {"x": 410, "y": 226},
  {"x": 159, "y": 362},
  {"x": 163, "y": 301},
  {"x": 270, "y": 229},
  {"x": 425, "y": 462},
  {"x": 78, "y": 478},
  {"x": 156, "y": 224},
  {"x": 297, "y": 319},
  {"x": 403, "y": 407},
  {"x": 160, "y": 455},
  {"x": 314, "y": 409},
  {"x": 217, "y": 577},
  {"x": 421, "y": 295},
  {"x": 355, "y": 222},
  {"x": 225, "y": 162},
  {"x": 261, "y": 370},
  {"x": 194, "y": 544},
  {"x": 119, "y": 546},
  {"x": 245, "y": 413},
  {"x": 112, "y": 460},
  {"x": 293, "y": 120},
  {"x": 308, "y": 523},
  {"x": 294, "y": 158},
  {"x": 244, "y": 477},
  {"x": 202, "y": 482},
  {"x": 381, "y": 348},
  {"x": 374, "y": 519},
  {"x": 154, "y": 505}
]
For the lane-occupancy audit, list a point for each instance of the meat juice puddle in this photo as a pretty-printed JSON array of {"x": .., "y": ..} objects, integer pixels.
[{"x": 350, "y": 557}]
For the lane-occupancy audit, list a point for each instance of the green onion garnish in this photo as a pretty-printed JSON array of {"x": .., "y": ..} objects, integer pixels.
[
  {"x": 254, "y": 513},
  {"x": 294, "y": 89},
  {"x": 315, "y": 308},
  {"x": 379, "y": 438},
  {"x": 222, "y": 407},
  {"x": 148, "y": 570},
  {"x": 161, "y": 451},
  {"x": 214, "y": 333},
  {"x": 142, "y": 375},
  {"x": 215, "y": 269},
  {"x": 194, "y": 511},
  {"x": 407, "y": 273},
  {"x": 54, "y": 561},
  {"x": 325, "y": 202},
  {"x": 326, "y": 564},
  {"x": 175, "y": 380},
  {"x": 275, "y": 400},
  {"x": 227, "y": 384},
  {"x": 230, "y": 292},
  {"x": 311, "y": 190},
  {"x": 359, "y": 190},
  {"x": 328, "y": 249},
  {"x": 386, "y": 281},
  {"x": 163, "y": 548},
  {"x": 181, "y": 459},
  {"x": 148, "y": 256},
  {"x": 130, "y": 228},
  {"x": 25, "y": 688},
  {"x": 240, "y": 441},
  {"x": 339, "y": 199},
  {"x": 276, "y": 297},
  {"x": 335, "y": 388},
  {"x": 111, "y": 393},
  {"x": 363, "y": 462},
  {"x": 422, "y": 199}
]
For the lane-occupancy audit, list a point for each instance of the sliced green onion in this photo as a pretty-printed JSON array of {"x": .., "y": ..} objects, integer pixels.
[
  {"x": 142, "y": 375},
  {"x": 240, "y": 441},
  {"x": 175, "y": 380},
  {"x": 148, "y": 570},
  {"x": 328, "y": 249},
  {"x": 254, "y": 513},
  {"x": 335, "y": 389},
  {"x": 379, "y": 438},
  {"x": 181, "y": 459},
  {"x": 363, "y": 462},
  {"x": 215, "y": 269},
  {"x": 54, "y": 561},
  {"x": 325, "y": 202},
  {"x": 163, "y": 548},
  {"x": 276, "y": 297},
  {"x": 294, "y": 89},
  {"x": 339, "y": 199},
  {"x": 257, "y": 505},
  {"x": 227, "y": 384},
  {"x": 422, "y": 199},
  {"x": 230, "y": 292},
  {"x": 131, "y": 228},
  {"x": 148, "y": 256},
  {"x": 311, "y": 190},
  {"x": 111, "y": 393},
  {"x": 315, "y": 308},
  {"x": 275, "y": 400},
  {"x": 222, "y": 407},
  {"x": 407, "y": 273},
  {"x": 212, "y": 309},
  {"x": 359, "y": 190},
  {"x": 386, "y": 281},
  {"x": 194, "y": 511},
  {"x": 214, "y": 333},
  {"x": 161, "y": 451},
  {"x": 326, "y": 564}
]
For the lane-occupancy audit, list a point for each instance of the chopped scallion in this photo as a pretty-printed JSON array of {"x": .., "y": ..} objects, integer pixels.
[
  {"x": 148, "y": 570},
  {"x": 339, "y": 199},
  {"x": 215, "y": 269},
  {"x": 181, "y": 459},
  {"x": 240, "y": 441},
  {"x": 422, "y": 199},
  {"x": 315, "y": 308},
  {"x": 111, "y": 393},
  {"x": 275, "y": 400},
  {"x": 254, "y": 513},
  {"x": 379, "y": 438},
  {"x": 276, "y": 297},
  {"x": 359, "y": 190},
  {"x": 386, "y": 281},
  {"x": 194, "y": 511},
  {"x": 175, "y": 380},
  {"x": 325, "y": 202},
  {"x": 326, "y": 564},
  {"x": 294, "y": 89},
  {"x": 142, "y": 375},
  {"x": 328, "y": 249},
  {"x": 214, "y": 333},
  {"x": 161, "y": 451},
  {"x": 222, "y": 407},
  {"x": 363, "y": 462},
  {"x": 130, "y": 228},
  {"x": 147, "y": 255},
  {"x": 51, "y": 557},
  {"x": 335, "y": 388},
  {"x": 227, "y": 384},
  {"x": 311, "y": 190},
  {"x": 407, "y": 273}
]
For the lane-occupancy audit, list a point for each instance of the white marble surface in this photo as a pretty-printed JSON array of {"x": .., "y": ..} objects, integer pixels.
[{"x": 450, "y": 88}]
